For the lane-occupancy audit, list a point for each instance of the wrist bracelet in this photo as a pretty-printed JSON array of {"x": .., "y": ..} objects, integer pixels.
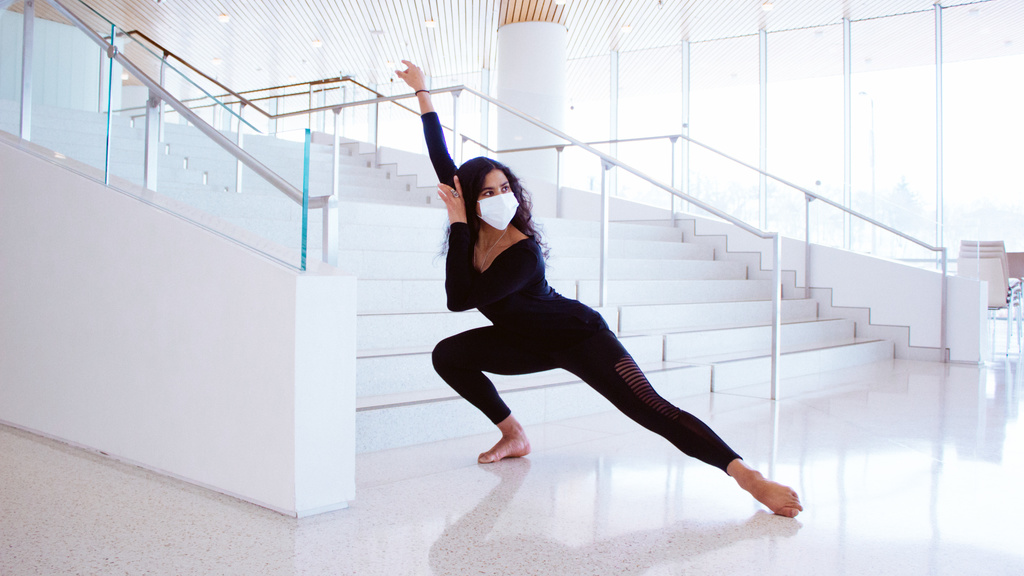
[{"x": 427, "y": 91}]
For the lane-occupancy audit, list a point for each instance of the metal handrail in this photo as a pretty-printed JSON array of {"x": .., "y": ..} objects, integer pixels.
[
  {"x": 609, "y": 161},
  {"x": 557, "y": 146},
  {"x": 238, "y": 95},
  {"x": 190, "y": 67}
]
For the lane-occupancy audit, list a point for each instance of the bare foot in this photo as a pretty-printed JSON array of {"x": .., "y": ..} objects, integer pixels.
[
  {"x": 513, "y": 443},
  {"x": 781, "y": 500}
]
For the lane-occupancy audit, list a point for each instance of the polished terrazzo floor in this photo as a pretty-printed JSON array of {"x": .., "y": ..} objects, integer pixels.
[{"x": 903, "y": 468}]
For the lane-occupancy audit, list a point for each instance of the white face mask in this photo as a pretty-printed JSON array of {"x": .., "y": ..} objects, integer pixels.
[{"x": 498, "y": 210}]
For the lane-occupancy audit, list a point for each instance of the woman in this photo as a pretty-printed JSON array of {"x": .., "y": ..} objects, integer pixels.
[{"x": 495, "y": 263}]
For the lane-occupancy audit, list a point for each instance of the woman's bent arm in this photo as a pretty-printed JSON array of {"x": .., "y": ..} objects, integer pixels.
[{"x": 512, "y": 271}]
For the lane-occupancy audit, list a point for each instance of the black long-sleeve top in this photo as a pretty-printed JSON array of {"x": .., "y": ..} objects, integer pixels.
[{"x": 513, "y": 292}]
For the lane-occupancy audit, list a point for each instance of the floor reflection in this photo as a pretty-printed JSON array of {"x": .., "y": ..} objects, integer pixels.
[
  {"x": 904, "y": 468},
  {"x": 480, "y": 543}
]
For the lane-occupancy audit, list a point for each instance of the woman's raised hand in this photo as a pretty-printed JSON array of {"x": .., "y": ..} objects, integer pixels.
[
  {"x": 413, "y": 76},
  {"x": 453, "y": 201}
]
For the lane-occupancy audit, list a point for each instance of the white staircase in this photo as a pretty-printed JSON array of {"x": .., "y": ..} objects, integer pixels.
[
  {"x": 695, "y": 316},
  {"x": 694, "y": 320}
]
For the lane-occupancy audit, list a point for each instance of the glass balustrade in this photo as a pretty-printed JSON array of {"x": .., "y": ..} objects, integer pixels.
[
  {"x": 98, "y": 115},
  {"x": 11, "y": 30}
]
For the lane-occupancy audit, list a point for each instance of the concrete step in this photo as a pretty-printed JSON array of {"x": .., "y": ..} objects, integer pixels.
[
  {"x": 398, "y": 332},
  {"x": 802, "y": 361},
  {"x": 411, "y": 296},
  {"x": 407, "y": 419},
  {"x": 402, "y": 265},
  {"x": 665, "y": 318},
  {"x": 700, "y": 346},
  {"x": 692, "y": 291},
  {"x": 361, "y": 233},
  {"x": 385, "y": 373},
  {"x": 415, "y": 295}
]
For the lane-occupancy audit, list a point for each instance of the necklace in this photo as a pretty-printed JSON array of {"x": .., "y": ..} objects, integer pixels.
[{"x": 489, "y": 250}]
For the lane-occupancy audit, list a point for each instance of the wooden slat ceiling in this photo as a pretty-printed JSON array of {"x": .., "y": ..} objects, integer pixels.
[{"x": 270, "y": 42}]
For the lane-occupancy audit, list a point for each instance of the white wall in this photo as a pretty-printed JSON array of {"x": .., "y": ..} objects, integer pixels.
[{"x": 126, "y": 330}]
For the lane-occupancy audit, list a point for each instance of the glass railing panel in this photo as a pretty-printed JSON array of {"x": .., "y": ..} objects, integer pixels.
[
  {"x": 11, "y": 30},
  {"x": 195, "y": 176},
  {"x": 71, "y": 81}
]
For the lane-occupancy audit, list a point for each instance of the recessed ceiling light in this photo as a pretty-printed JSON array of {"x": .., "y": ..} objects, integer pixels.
[
  {"x": 124, "y": 75},
  {"x": 627, "y": 29},
  {"x": 217, "y": 61},
  {"x": 430, "y": 23},
  {"x": 767, "y": 6},
  {"x": 377, "y": 32},
  {"x": 224, "y": 18},
  {"x": 317, "y": 43},
  {"x": 292, "y": 78}
]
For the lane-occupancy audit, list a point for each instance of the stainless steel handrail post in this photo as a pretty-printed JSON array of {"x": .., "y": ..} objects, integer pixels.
[
  {"x": 153, "y": 108},
  {"x": 672, "y": 197},
  {"x": 558, "y": 181},
  {"x": 603, "y": 269},
  {"x": 309, "y": 117},
  {"x": 455, "y": 128},
  {"x": 376, "y": 135},
  {"x": 330, "y": 210},
  {"x": 807, "y": 245},
  {"x": 776, "y": 313},
  {"x": 329, "y": 248},
  {"x": 27, "y": 42},
  {"x": 163, "y": 78},
  {"x": 240, "y": 143},
  {"x": 111, "y": 52},
  {"x": 942, "y": 317}
]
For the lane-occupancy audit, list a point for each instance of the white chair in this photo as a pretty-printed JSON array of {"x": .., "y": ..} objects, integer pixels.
[{"x": 987, "y": 260}]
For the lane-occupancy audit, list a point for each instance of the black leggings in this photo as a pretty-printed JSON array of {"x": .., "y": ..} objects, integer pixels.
[{"x": 600, "y": 361}]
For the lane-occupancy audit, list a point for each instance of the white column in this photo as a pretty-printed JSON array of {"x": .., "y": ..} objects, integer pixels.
[{"x": 531, "y": 79}]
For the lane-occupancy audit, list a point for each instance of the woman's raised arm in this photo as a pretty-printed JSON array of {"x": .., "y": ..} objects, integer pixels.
[
  {"x": 413, "y": 76},
  {"x": 444, "y": 167}
]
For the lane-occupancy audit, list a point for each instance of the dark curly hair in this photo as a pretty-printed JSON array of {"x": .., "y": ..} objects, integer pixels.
[{"x": 471, "y": 175}]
